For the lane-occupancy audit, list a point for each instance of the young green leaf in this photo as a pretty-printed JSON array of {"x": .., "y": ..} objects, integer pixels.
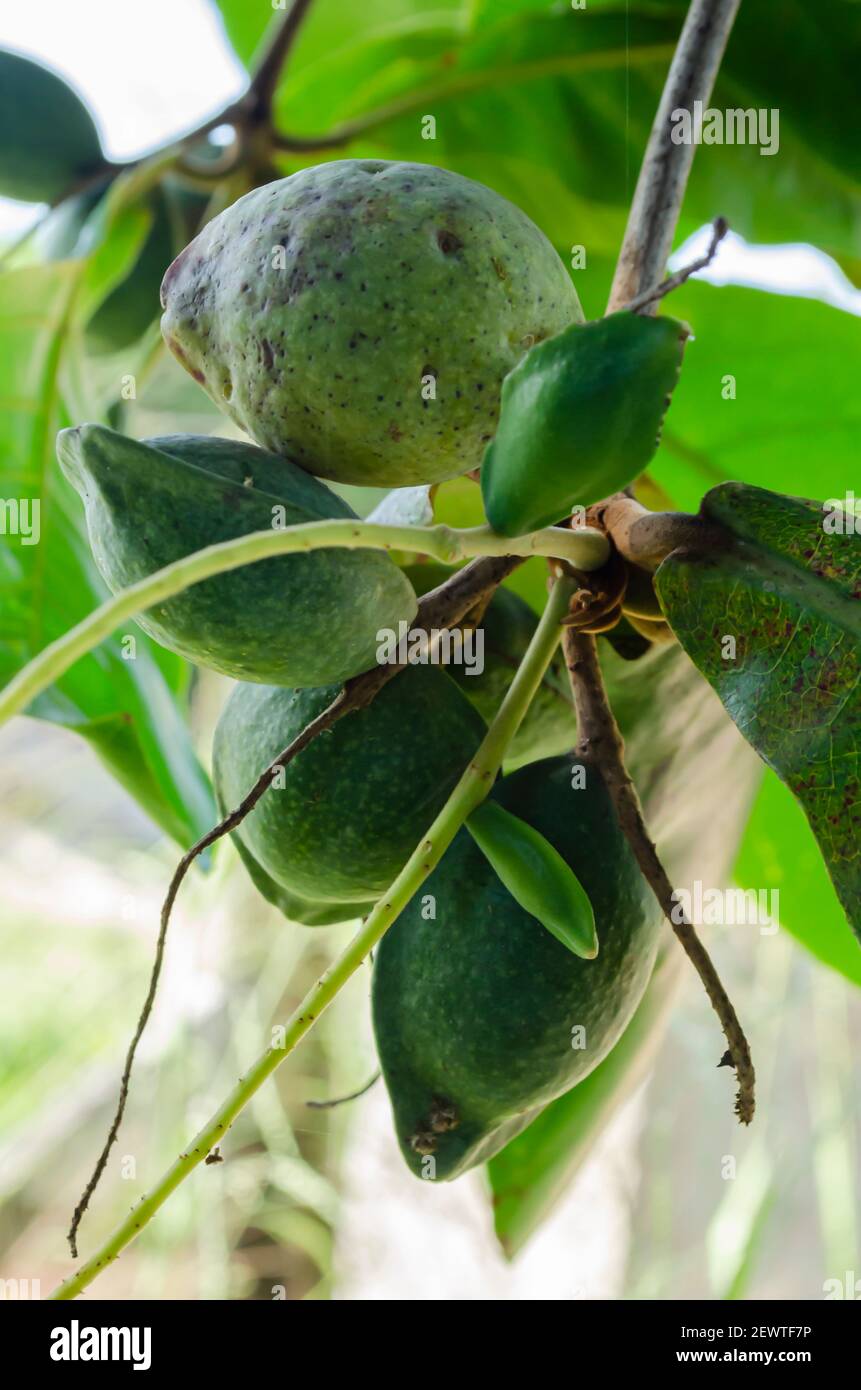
[
  {"x": 536, "y": 876},
  {"x": 580, "y": 418},
  {"x": 772, "y": 621}
]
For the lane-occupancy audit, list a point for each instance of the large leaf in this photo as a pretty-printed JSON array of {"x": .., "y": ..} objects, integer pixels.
[
  {"x": 696, "y": 780},
  {"x": 810, "y": 192},
  {"x": 552, "y": 106},
  {"x": 785, "y": 591},
  {"x": 779, "y": 853},
  {"x": 326, "y": 29},
  {"x": 127, "y": 709},
  {"x": 791, "y": 405},
  {"x": 48, "y": 140}
]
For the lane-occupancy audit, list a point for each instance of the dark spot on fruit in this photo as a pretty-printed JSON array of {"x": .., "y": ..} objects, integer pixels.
[
  {"x": 422, "y": 1143},
  {"x": 448, "y": 243},
  {"x": 443, "y": 1115}
]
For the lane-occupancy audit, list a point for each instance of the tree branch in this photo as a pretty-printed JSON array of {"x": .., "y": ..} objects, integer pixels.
[
  {"x": 720, "y": 227},
  {"x": 665, "y": 168},
  {"x": 258, "y": 99},
  {"x": 599, "y": 737},
  {"x": 646, "y": 538}
]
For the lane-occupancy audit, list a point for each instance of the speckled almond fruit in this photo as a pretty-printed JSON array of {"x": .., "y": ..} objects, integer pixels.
[
  {"x": 481, "y": 1015},
  {"x": 336, "y": 830},
  {"x": 360, "y": 316}
]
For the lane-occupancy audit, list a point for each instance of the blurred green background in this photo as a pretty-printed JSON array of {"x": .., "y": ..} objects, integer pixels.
[{"x": 668, "y": 1198}]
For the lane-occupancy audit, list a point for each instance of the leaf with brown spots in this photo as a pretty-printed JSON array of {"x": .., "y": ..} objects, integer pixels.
[{"x": 785, "y": 587}]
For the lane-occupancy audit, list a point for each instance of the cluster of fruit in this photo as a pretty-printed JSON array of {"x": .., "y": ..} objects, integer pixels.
[{"x": 358, "y": 321}]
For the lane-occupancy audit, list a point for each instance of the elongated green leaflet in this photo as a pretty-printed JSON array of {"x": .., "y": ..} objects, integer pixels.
[
  {"x": 580, "y": 418},
  {"x": 536, "y": 876}
]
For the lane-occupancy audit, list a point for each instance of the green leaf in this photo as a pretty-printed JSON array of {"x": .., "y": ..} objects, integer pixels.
[
  {"x": 128, "y": 709},
  {"x": 552, "y": 107},
  {"x": 358, "y": 76},
  {"x": 245, "y": 25},
  {"x": 118, "y": 243},
  {"x": 536, "y": 876},
  {"x": 737, "y": 415},
  {"x": 785, "y": 590},
  {"x": 47, "y": 136},
  {"x": 779, "y": 853},
  {"x": 580, "y": 418},
  {"x": 809, "y": 191}
]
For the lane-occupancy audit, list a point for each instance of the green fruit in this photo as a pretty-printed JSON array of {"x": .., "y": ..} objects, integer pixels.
[
  {"x": 316, "y": 308},
  {"x": 47, "y": 137},
  {"x": 508, "y": 623},
  {"x": 355, "y": 804},
  {"x": 297, "y": 619},
  {"x": 580, "y": 419},
  {"x": 475, "y": 1007}
]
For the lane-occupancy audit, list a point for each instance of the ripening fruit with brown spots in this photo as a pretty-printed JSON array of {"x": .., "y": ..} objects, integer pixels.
[{"x": 360, "y": 316}]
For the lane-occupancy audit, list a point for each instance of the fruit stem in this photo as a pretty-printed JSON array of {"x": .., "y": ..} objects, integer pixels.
[
  {"x": 584, "y": 548},
  {"x": 474, "y": 785}
]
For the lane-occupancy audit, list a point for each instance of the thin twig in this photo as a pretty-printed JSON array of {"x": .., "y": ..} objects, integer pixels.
[
  {"x": 720, "y": 227},
  {"x": 258, "y": 98},
  {"x": 666, "y": 165},
  {"x": 440, "y": 608},
  {"x": 342, "y": 1100},
  {"x": 599, "y": 737}
]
